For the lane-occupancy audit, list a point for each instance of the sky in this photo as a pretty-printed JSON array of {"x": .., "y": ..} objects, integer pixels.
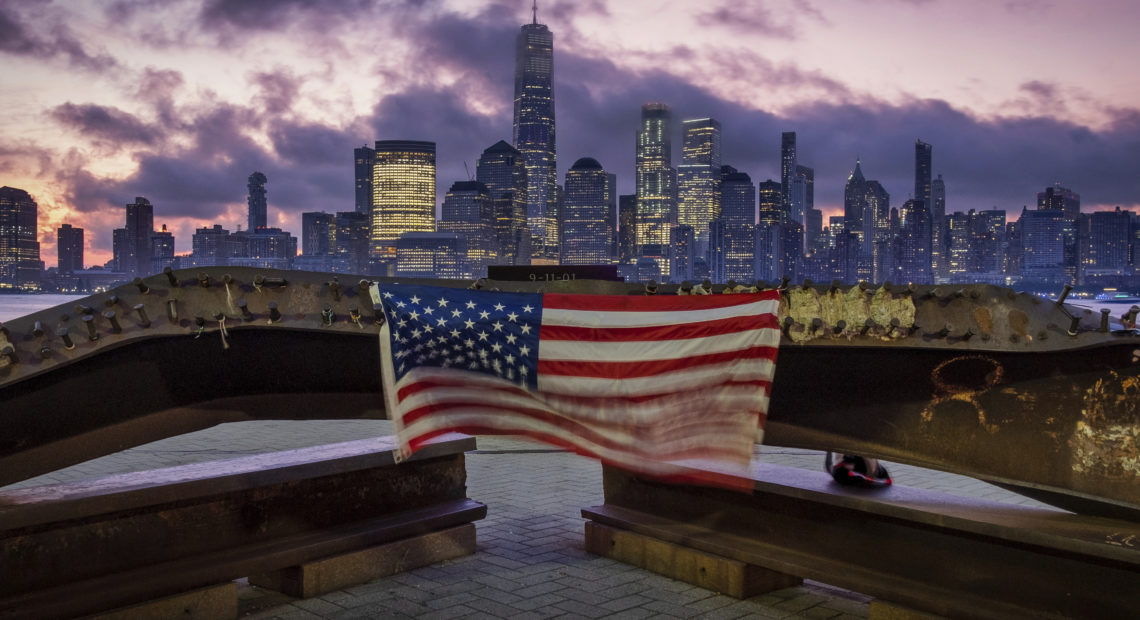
[{"x": 179, "y": 101}]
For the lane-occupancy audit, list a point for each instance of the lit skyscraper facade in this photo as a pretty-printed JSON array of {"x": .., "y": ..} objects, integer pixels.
[
  {"x": 352, "y": 240},
  {"x": 69, "y": 248},
  {"x": 1109, "y": 237},
  {"x": 656, "y": 184},
  {"x": 161, "y": 250},
  {"x": 258, "y": 206},
  {"x": 363, "y": 160},
  {"x": 587, "y": 234},
  {"x": 534, "y": 134},
  {"x": 787, "y": 167},
  {"x": 770, "y": 197},
  {"x": 1067, "y": 203},
  {"x": 698, "y": 177},
  {"x": 627, "y": 229},
  {"x": 403, "y": 194},
  {"x": 502, "y": 169},
  {"x": 923, "y": 160},
  {"x": 939, "y": 244},
  {"x": 735, "y": 231},
  {"x": 469, "y": 211},
  {"x": 914, "y": 239},
  {"x": 20, "y": 265}
]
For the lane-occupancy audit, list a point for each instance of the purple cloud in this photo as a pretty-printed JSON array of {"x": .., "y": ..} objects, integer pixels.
[
  {"x": 17, "y": 38},
  {"x": 105, "y": 123}
]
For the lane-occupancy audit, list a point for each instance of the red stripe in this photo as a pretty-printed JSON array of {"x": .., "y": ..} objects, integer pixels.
[
  {"x": 647, "y": 368},
  {"x": 650, "y": 303},
  {"x": 676, "y": 331},
  {"x": 591, "y": 430},
  {"x": 425, "y": 385},
  {"x": 685, "y": 476}
]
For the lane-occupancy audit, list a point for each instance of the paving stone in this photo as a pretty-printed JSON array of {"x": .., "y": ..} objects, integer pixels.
[{"x": 530, "y": 561}]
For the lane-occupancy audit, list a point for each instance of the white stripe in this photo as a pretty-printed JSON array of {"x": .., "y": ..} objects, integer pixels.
[
  {"x": 619, "y": 318},
  {"x": 715, "y": 441},
  {"x": 685, "y": 379},
  {"x": 637, "y": 351},
  {"x": 744, "y": 400}
]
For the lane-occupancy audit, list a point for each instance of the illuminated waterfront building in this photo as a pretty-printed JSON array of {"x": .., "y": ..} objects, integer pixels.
[
  {"x": 403, "y": 195},
  {"x": 939, "y": 245},
  {"x": 698, "y": 176},
  {"x": 627, "y": 229},
  {"x": 770, "y": 203},
  {"x": 1105, "y": 257},
  {"x": 587, "y": 231},
  {"x": 69, "y": 249},
  {"x": 1068, "y": 203},
  {"x": 468, "y": 211},
  {"x": 1043, "y": 240},
  {"x": 502, "y": 169},
  {"x": 656, "y": 185},
  {"x": 914, "y": 241},
  {"x": 534, "y": 134},
  {"x": 258, "y": 205},
  {"x": 20, "y": 265},
  {"x": 432, "y": 255},
  {"x": 212, "y": 247},
  {"x": 732, "y": 244}
]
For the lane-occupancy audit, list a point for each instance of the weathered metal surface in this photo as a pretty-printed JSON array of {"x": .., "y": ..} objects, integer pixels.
[
  {"x": 926, "y": 551},
  {"x": 78, "y": 548},
  {"x": 978, "y": 380}
]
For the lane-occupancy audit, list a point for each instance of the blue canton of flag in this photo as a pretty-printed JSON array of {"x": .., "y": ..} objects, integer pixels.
[{"x": 457, "y": 328}]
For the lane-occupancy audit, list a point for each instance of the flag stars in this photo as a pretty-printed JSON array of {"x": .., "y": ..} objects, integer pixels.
[
  {"x": 527, "y": 308},
  {"x": 496, "y": 347},
  {"x": 455, "y": 313},
  {"x": 415, "y": 300},
  {"x": 498, "y": 326},
  {"x": 387, "y": 295},
  {"x": 470, "y": 305},
  {"x": 499, "y": 307},
  {"x": 511, "y": 338},
  {"x": 513, "y": 317},
  {"x": 484, "y": 314},
  {"x": 524, "y": 351},
  {"x": 414, "y": 315},
  {"x": 469, "y": 324},
  {"x": 443, "y": 302},
  {"x": 524, "y": 328},
  {"x": 442, "y": 322},
  {"x": 482, "y": 336}
]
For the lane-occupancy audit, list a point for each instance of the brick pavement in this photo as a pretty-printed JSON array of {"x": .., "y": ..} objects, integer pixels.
[{"x": 530, "y": 561}]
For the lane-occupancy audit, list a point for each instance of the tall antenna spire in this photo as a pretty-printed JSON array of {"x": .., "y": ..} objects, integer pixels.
[{"x": 534, "y": 8}]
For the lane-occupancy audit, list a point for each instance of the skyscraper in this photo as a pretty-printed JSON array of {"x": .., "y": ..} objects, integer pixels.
[
  {"x": 403, "y": 195},
  {"x": 352, "y": 240},
  {"x": 939, "y": 244},
  {"x": 914, "y": 238},
  {"x": 735, "y": 231},
  {"x": 140, "y": 228},
  {"x": 698, "y": 177},
  {"x": 363, "y": 159},
  {"x": 656, "y": 184},
  {"x": 1067, "y": 204},
  {"x": 19, "y": 249},
  {"x": 787, "y": 167},
  {"x": 502, "y": 169},
  {"x": 771, "y": 205},
  {"x": 317, "y": 232},
  {"x": 923, "y": 160},
  {"x": 627, "y": 229},
  {"x": 469, "y": 211},
  {"x": 69, "y": 248},
  {"x": 534, "y": 134},
  {"x": 587, "y": 235},
  {"x": 161, "y": 250},
  {"x": 258, "y": 207}
]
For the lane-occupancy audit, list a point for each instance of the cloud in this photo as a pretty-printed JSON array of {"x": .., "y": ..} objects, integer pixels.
[
  {"x": 105, "y": 123},
  {"x": 17, "y": 38}
]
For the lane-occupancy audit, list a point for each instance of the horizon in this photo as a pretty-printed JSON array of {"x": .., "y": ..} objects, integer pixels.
[{"x": 183, "y": 114}]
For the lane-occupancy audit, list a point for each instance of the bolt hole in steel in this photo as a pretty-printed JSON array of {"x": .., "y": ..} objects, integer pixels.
[{"x": 971, "y": 373}]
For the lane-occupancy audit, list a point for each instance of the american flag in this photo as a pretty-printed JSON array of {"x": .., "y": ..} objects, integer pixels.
[{"x": 674, "y": 387}]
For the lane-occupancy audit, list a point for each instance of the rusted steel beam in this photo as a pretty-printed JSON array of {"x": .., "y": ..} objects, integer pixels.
[
  {"x": 78, "y": 548},
  {"x": 922, "y": 550},
  {"x": 977, "y": 380}
]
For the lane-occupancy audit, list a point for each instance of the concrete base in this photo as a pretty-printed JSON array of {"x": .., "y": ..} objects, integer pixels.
[
  {"x": 210, "y": 603},
  {"x": 709, "y": 571},
  {"x": 349, "y": 569}
]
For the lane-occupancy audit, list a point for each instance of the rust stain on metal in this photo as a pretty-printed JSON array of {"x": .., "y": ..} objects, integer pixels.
[
  {"x": 1106, "y": 441},
  {"x": 984, "y": 319},
  {"x": 963, "y": 380},
  {"x": 853, "y": 307},
  {"x": 1018, "y": 322}
]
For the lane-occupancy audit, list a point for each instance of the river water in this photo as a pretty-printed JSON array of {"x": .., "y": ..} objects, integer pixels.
[{"x": 14, "y": 306}]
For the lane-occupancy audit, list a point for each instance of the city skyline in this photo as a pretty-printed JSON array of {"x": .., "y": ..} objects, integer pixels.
[{"x": 184, "y": 129}]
